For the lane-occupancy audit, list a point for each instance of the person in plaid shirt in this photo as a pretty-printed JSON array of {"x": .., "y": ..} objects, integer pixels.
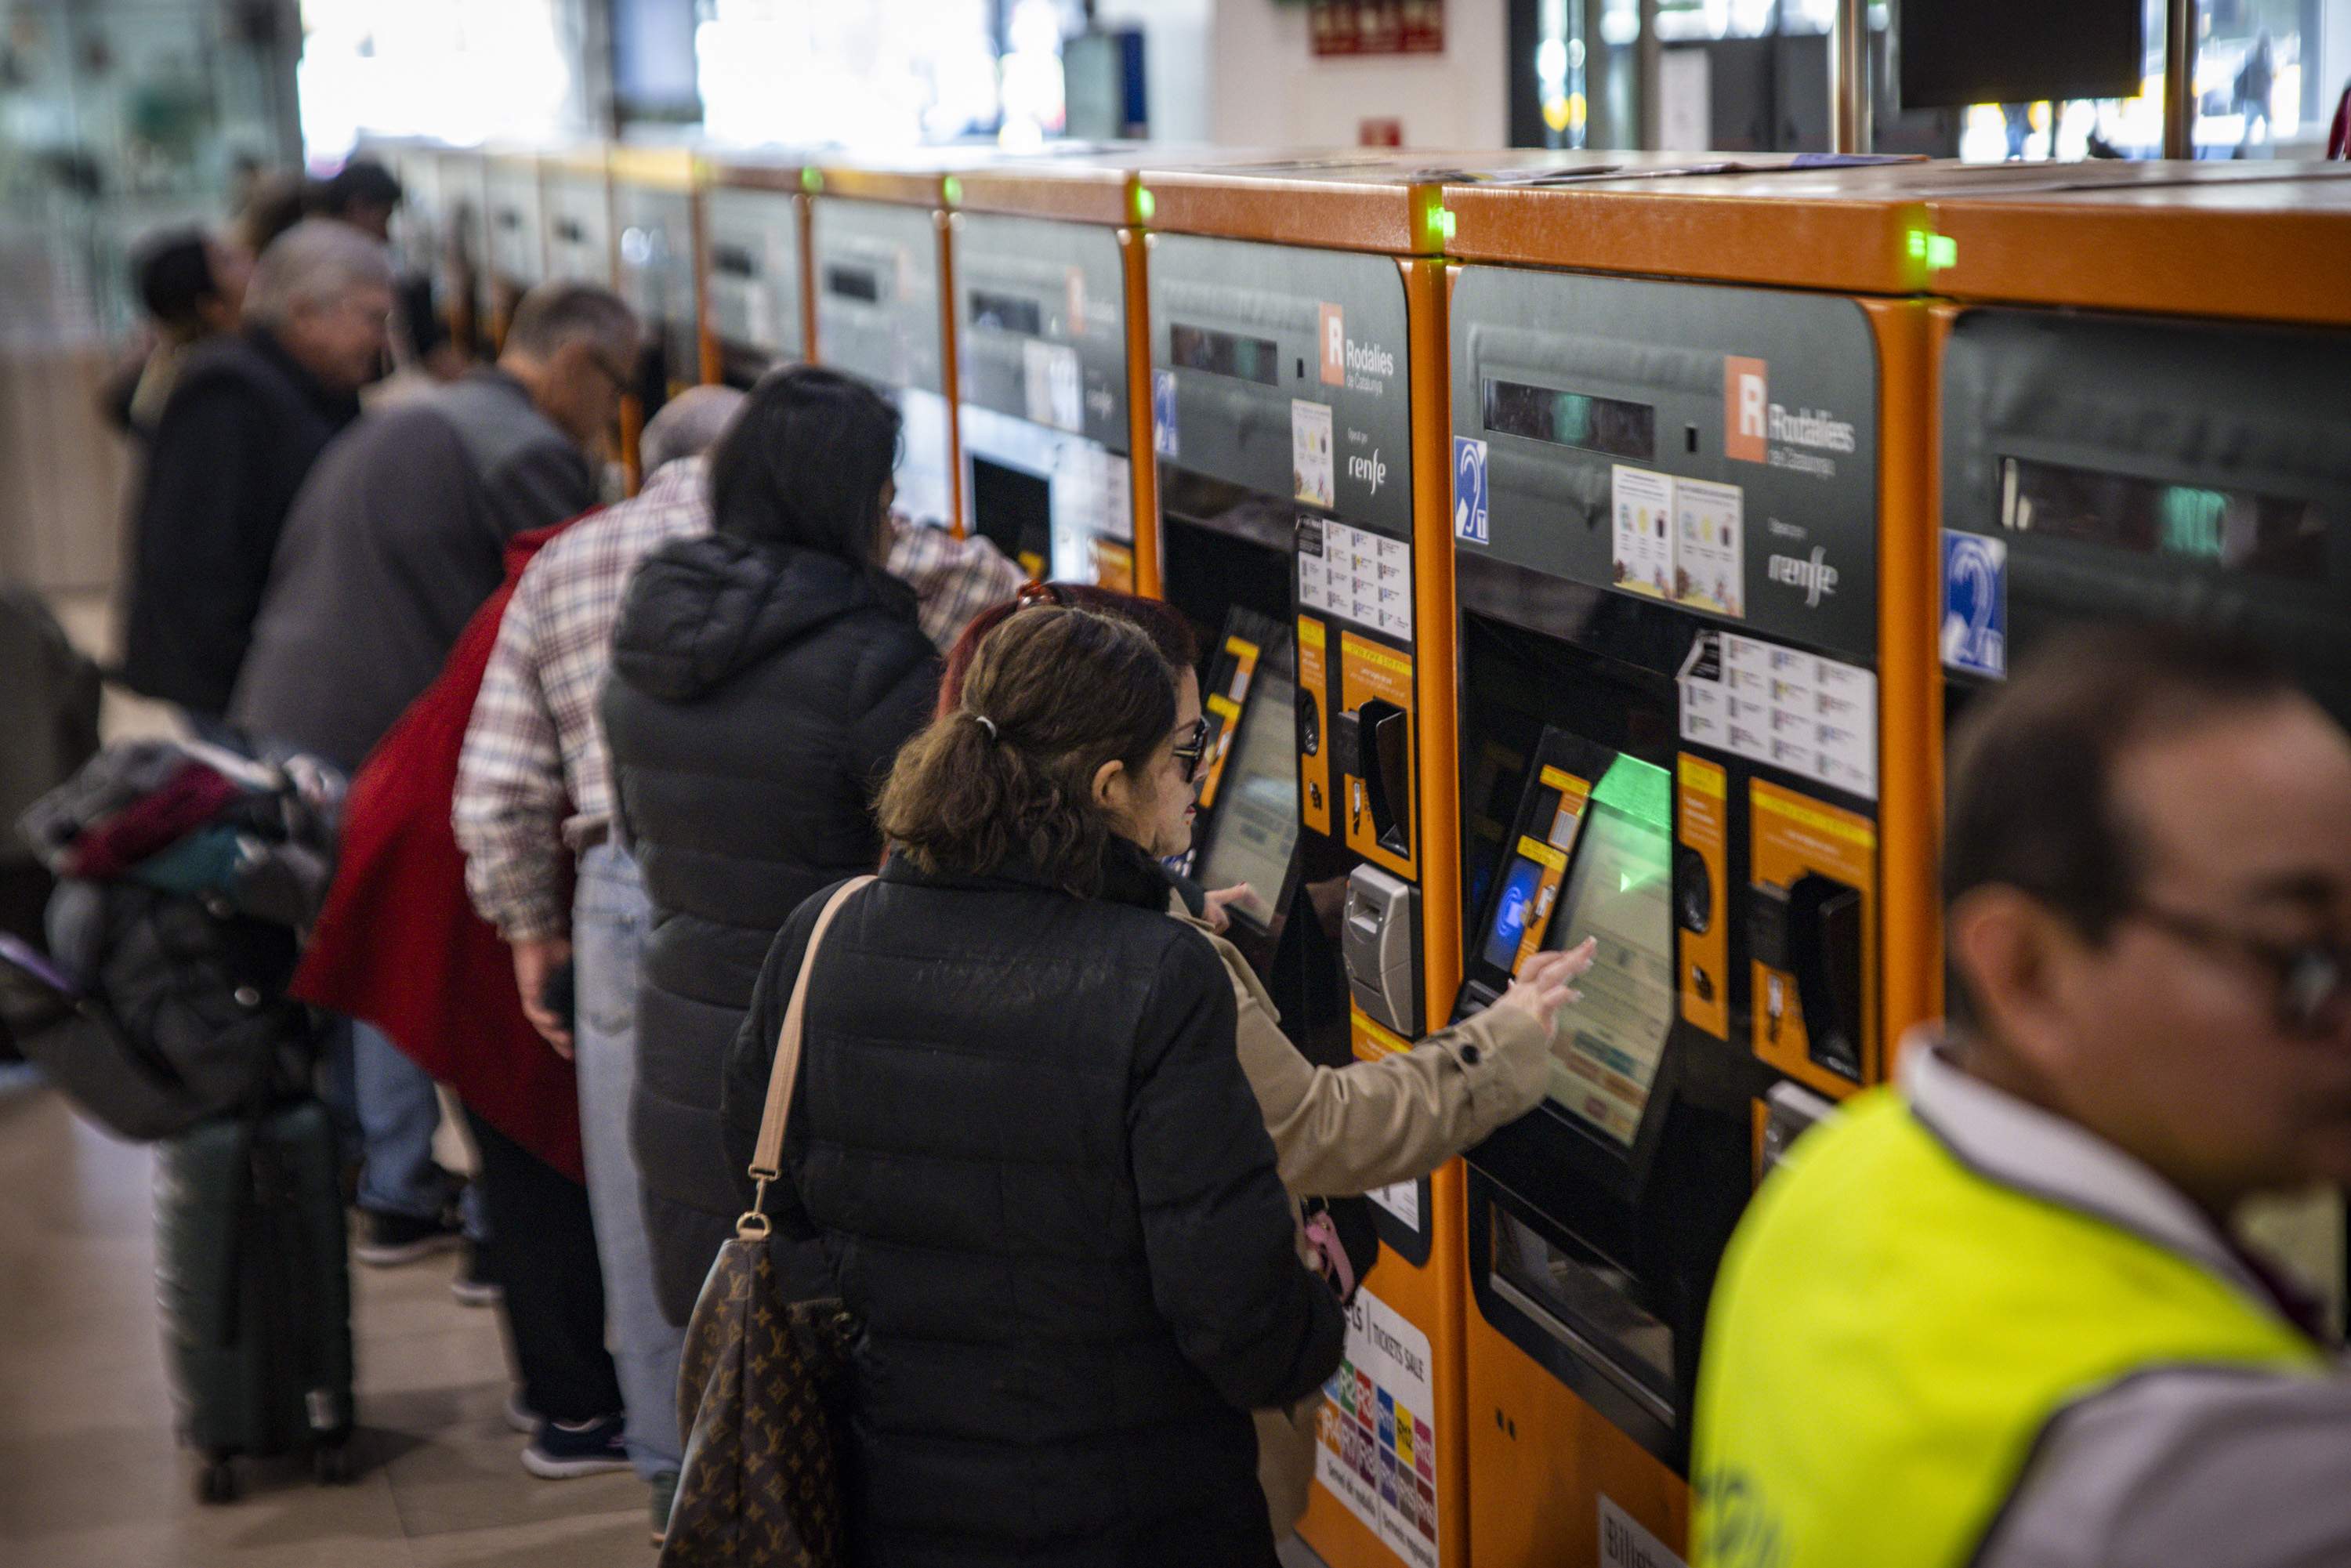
[{"x": 534, "y": 802}]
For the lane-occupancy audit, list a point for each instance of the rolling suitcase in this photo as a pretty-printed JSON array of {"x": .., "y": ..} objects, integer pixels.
[{"x": 255, "y": 1291}]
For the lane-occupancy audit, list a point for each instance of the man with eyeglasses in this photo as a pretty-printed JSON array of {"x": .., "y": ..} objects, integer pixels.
[
  {"x": 397, "y": 537},
  {"x": 2002, "y": 1316}
]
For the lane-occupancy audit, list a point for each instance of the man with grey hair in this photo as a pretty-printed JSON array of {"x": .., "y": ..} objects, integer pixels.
[
  {"x": 396, "y": 539},
  {"x": 248, "y": 418},
  {"x": 532, "y": 813}
]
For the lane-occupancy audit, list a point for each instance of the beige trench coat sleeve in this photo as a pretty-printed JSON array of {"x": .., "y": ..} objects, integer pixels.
[{"x": 1339, "y": 1131}]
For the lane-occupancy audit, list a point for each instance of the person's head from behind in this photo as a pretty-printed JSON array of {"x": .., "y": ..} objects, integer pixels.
[
  {"x": 190, "y": 283},
  {"x": 689, "y": 426},
  {"x": 1171, "y": 635},
  {"x": 808, "y": 464},
  {"x": 362, "y": 194},
  {"x": 2147, "y": 889},
  {"x": 323, "y": 291},
  {"x": 574, "y": 347},
  {"x": 1066, "y": 740}
]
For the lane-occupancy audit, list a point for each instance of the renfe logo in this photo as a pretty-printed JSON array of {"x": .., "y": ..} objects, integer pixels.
[
  {"x": 1746, "y": 410},
  {"x": 1335, "y": 347}
]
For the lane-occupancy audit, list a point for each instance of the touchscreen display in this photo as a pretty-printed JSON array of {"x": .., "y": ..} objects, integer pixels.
[
  {"x": 1619, "y": 889},
  {"x": 1256, "y": 826}
]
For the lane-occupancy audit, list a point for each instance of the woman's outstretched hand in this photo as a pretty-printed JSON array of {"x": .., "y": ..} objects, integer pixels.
[{"x": 1547, "y": 982}]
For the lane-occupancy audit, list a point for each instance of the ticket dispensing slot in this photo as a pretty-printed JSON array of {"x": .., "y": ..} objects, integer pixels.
[{"x": 1813, "y": 930}]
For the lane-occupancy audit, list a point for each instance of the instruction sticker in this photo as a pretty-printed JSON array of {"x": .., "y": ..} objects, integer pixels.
[
  {"x": 1051, "y": 384},
  {"x": 1162, "y": 413},
  {"x": 1313, "y": 468},
  {"x": 1623, "y": 1543},
  {"x": 1356, "y": 575},
  {"x": 1709, "y": 558},
  {"x": 1469, "y": 489},
  {"x": 1643, "y": 557},
  {"x": 1376, "y": 1441},
  {"x": 1812, "y": 717}
]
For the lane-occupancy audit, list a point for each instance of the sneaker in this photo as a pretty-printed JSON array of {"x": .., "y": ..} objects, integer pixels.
[
  {"x": 388, "y": 1241},
  {"x": 520, "y": 1416},
  {"x": 561, "y": 1453},
  {"x": 475, "y": 1286},
  {"x": 665, "y": 1497}
]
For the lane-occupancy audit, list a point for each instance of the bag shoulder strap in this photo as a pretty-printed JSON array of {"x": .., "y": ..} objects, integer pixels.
[{"x": 767, "y": 1155}]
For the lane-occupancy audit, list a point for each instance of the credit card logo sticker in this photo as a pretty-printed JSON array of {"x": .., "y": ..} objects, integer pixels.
[
  {"x": 1975, "y": 604},
  {"x": 1469, "y": 491},
  {"x": 1162, "y": 413}
]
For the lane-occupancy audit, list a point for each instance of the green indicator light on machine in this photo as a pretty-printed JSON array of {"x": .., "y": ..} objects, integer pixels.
[
  {"x": 954, "y": 189},
  {"x": 1918, "y": 244},
  {"x": 1942, "y": 251},
  {"x": 811, "y": 181},
  {"x": 1145, "y": 205}
]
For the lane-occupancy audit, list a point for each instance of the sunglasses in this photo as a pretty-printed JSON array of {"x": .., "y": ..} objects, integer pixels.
[{"x": 1192, "y": 752}]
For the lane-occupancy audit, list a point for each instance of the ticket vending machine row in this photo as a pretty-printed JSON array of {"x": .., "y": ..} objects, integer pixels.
[
  {"x": 1692, "y": 589},
  {"x": 576, "y": 204},
  {"x": 880, "y": 270},
  {"x": 755, "y": 266},
  {"x": 515, "y": 241},
  {"x": 658, "y": 272},
  {"x": 1041, "y": 360},
  {"x": 1294, "y": 403}
]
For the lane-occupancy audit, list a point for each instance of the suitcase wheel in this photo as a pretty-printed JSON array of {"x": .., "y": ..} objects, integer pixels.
[
  {"x": 331, "y": 1463},
  {"x": 216, "y": 1481}
]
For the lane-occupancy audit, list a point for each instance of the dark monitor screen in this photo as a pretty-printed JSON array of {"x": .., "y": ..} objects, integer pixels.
[
  {"x": 1006, "y": 313},
  {"x": 1619, "y": 889},
  {"x": 1013, "y": 508},
  {"x": 1225, "y": 354},
  {"x": 854, "y": 283},
  {"x": 2234, "y": 530},
  {"x": 1607, "y": 424},
  {"x": 1956, "y": 53},
  {"x": 1255, "y": 831}
]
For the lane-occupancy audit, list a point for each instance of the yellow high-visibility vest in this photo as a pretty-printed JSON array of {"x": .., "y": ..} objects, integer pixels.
[{"x": 1891, "y": 1331}]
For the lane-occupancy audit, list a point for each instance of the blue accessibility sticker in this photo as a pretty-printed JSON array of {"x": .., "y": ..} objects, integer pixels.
[
  {"x": 1162, "y": 413},
  {"x": 1975, "y": 603},
  {"x": 1469, "y": 489}
]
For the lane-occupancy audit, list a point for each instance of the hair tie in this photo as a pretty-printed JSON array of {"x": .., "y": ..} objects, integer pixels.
[{"x": 987, "y": 724}]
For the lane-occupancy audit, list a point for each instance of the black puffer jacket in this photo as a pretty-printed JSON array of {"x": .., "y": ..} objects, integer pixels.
[
  {"x": 1022, "y": 1134},
  {"x": 758, "y": 696}
]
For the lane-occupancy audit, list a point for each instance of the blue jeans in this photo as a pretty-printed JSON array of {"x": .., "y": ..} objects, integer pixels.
[
  {"x": 609, "y": 921},
  {"x": 398, "y": 1110}
]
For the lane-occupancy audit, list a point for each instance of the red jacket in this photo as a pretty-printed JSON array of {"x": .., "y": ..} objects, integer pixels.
[{"x": 400, "y": 946}]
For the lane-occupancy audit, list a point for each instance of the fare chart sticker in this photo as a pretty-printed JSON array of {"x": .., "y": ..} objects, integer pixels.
[
  {"x": 1376, "y": 1444},
  {"x": 1641, "y": 560},
  {"x": 1813, "y": 716},
  {"x": 1313, "y": 461}
]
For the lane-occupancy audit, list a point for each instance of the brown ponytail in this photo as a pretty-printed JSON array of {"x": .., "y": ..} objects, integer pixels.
[{"x": 1007, "y": 777}]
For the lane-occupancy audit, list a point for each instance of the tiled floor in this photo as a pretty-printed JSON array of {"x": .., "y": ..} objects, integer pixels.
[{"x": 88, "y": 1474}]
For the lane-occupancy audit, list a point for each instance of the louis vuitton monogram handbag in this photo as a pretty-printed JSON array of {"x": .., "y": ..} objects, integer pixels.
[{"x": 761, "y": 1378}]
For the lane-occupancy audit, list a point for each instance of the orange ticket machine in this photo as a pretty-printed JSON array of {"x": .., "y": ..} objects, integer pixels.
[
  {"x": 1297, "y": 343},
  {"x": 1052, "y": 363},
  {"x": 465, "y": 205},
  {"x": 881, "y": 268},
  {"x": 1693, "y": 590},
  {"x": 755, "y": 294},
  {"x": 576, "y": 205},
  {"x": 656, "y": 220},
  {"x": 2144, "y": 409},
  {"x": 514, "y": 240}
]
